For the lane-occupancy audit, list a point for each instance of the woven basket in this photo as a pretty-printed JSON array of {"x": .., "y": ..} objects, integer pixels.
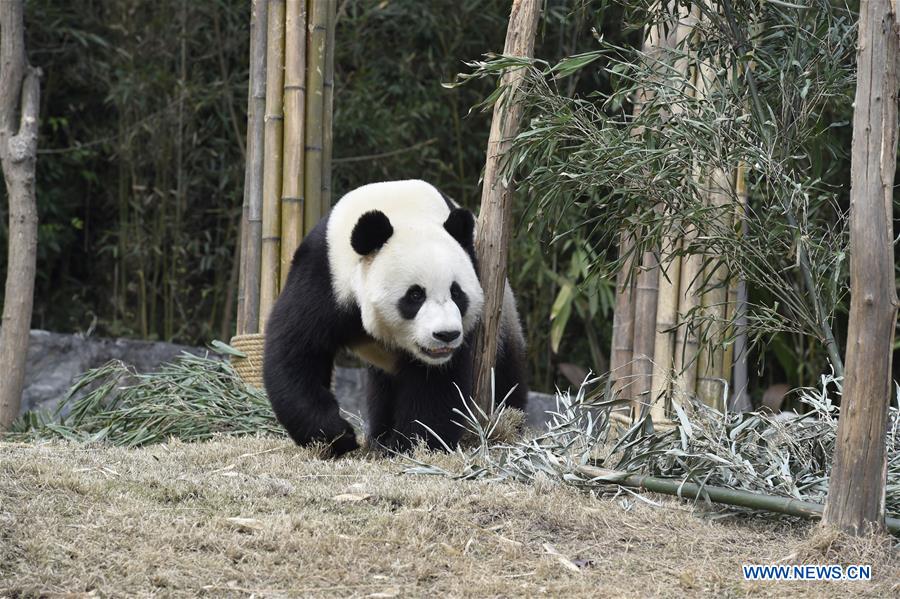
[{"x": 250, "y": 369}]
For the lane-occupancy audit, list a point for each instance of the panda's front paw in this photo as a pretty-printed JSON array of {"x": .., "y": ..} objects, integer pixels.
[{"x": 339, "y": 436}]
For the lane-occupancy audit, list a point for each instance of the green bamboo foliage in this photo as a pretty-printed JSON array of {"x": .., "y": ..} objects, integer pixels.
[
  {"x": 315, "y": 97},
  {"x": 294, "y": 132},
  {"x": 271, "y": 239}
]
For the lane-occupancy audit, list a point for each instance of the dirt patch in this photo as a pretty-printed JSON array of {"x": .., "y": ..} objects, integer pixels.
[{"x": 258, "y": 516}]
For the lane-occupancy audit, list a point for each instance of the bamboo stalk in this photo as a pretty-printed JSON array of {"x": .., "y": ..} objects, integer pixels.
[
  {"x": 669, "y": 281},
  {"x": 328, "y": 107},
  {"x": 252, "y": 242},
  {"x": 294, "y": 133},
  {"x": 686, "y": 335},
  {"x": 666, "y": 321},
  {"x": 688, "y": 490},
  {"x": 711, "y": 386},
  {"x": 647, "y": 279},
  {"x": 315, "y": 98},
  {"x": 271, "y": 239},
  {"x": 622, "y": 350},
  {"x": 740, "y": 399},
  {"x": 646, "y": 294}
]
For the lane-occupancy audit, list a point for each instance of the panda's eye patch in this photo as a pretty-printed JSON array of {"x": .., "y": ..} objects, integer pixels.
[
  {"x": 411, "y": 301},
  {"x": 459, "y": 298}
]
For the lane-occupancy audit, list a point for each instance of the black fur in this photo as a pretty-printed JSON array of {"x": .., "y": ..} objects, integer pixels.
[
  {"x": 306, "y": 330},
  {"x": 371, "y": 231}
]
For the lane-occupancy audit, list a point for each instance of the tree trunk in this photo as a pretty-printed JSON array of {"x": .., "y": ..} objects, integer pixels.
[
  {"x": 19, "y": 95},
  {"x": 494, "y": 221},
  {"x": 856, "y": 492}
]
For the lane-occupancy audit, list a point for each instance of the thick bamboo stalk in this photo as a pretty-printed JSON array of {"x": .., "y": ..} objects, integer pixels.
[
  {"x": 271, "y": 238},
  {"x": 666, "y": 320},
  {"x": 687, "y": 490},
  {"x": 495, "y": 219},
  {"x": 251, "y": 247},
  {"x": 328, "y": 107},
  {"x": 315, "y": 100},
  {"x": 670, "y": 276},
  {"x": 646, "y": 292},
  {"x": 686, "y": 335},
  {"x": 643, "y": 311},
  {"x": 294, "y": 132},
  {"x": 622, "y": 350},
  {"x": 740, "y": 398},
  {"x": 856, "y": 491},
  {"x": 711, "y": 385}
]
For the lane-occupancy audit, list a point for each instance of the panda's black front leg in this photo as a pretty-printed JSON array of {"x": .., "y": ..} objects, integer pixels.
[
  {"x": 424, "y": 400},
  {"x": 297, "y": 372}
]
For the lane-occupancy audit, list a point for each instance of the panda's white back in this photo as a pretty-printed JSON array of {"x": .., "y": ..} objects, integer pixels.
[{"x": 410, "y": 204}]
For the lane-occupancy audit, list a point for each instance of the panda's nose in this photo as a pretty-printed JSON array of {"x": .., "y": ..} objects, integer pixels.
[{"x": 446, "y": 336}]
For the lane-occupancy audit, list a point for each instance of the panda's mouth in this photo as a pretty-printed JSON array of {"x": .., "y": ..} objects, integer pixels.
[{"x": 438, "y": 353}]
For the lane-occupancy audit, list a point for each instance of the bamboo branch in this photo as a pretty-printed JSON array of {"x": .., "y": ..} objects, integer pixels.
[
  {"x": 494, "y": 221},
  {"x": 271, "y": 218}
]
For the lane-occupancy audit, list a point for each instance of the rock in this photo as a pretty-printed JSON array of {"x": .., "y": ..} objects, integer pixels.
[{"x": 56, "y": 360}]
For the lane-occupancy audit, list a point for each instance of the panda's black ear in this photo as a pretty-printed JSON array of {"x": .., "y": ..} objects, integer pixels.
[
  {"x": 371, "y": 231},
  {"x": 461, "y": 226}
]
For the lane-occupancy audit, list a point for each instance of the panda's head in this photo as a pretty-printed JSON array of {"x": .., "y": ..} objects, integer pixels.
[{"x": 416, "y": 284}]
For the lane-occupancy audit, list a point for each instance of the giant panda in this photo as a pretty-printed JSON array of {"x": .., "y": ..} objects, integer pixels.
[{"x": 389, "y": 274}]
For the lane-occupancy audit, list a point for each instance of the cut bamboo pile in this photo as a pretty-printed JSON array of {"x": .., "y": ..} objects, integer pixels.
[
  {"x": 287, "y": 180},
  {"x": 669, "y": 338}
]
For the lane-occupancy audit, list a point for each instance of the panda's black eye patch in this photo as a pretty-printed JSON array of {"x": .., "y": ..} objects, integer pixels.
[
  {"x": 411, "y": 301},
  {"x": 459, "y": 298}
]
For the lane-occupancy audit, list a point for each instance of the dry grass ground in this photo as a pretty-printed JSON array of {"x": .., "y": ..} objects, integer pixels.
[{"x": 242, "y": 517}]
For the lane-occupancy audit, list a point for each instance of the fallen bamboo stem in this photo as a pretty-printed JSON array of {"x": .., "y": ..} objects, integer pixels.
[{"x": 688, "y": 490}]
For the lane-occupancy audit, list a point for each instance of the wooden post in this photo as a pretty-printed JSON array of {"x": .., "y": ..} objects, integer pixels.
[
  {"x": 271, "y": 237},
  {"x": 494, "y": 221},
  {"x": 251, "y": 225},
  {"x": 856, "y": 491},
  {"x": 294, "y": 132},
  {"x": 20, "y": 101}
]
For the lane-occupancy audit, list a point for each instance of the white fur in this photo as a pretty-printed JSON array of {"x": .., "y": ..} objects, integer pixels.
[{"x": 420, "y": 252}]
